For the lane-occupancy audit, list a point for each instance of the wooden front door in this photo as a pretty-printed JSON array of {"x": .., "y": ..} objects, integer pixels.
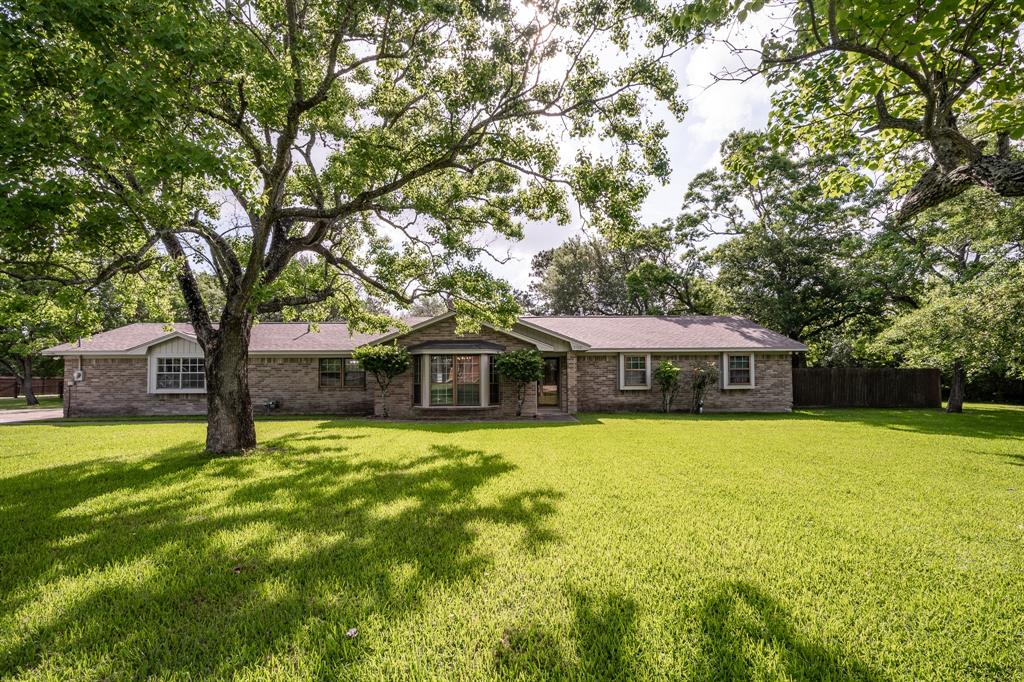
[{"x": 549, "y": 384}]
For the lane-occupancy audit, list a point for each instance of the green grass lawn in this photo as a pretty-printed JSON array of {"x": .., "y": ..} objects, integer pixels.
[
  {"x": 19, "y": 403},
  {"x": 860, "y": 544}
]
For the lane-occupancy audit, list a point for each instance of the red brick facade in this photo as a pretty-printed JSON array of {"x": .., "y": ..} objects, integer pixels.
[
  {"x": 598, "y": 385},
  {"x": 588, "y": 381},
  {"x": 118, "y": 387}
]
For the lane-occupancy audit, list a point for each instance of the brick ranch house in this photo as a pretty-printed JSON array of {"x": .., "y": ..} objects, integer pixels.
[{"x": 594, "y": 363}]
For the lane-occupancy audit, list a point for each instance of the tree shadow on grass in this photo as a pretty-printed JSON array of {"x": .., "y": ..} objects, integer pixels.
[
  {"x": 183, "y": 564},
  {"x": 1006, "y": 423},
  {"x": 748, "y": 635},
  {"x": 601, "y": 643}
]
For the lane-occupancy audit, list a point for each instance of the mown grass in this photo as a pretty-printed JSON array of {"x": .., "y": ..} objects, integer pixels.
[
  {"x": 45, "y": 402},
  {"x": 868, "y": 544}
]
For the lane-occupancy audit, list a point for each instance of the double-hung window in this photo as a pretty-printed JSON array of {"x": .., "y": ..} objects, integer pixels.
[
  {"x": 330, "y": 372},
  {"x": 494, "y": 388},
  {"x": 355, "y": 375},
  {"x": 174, "y": 374},
  {"x": 634, "y": 372},
  {"x": 455, "y": 380},
  {"x": 336, "y": 372},
  {"x": 739, "y": 370}
]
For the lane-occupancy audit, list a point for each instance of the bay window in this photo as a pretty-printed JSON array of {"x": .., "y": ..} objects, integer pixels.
[{"x": 455, "y": 380}]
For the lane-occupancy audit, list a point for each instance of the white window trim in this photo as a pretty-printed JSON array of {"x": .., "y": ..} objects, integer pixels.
[
  {"x": 725, "y": 372},
  {"x": 622, "y": 373},
  {"x": 169, "y": 391}
]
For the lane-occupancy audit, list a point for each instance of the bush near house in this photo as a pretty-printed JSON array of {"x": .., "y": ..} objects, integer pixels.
[
  {"x": 384, "y": 362},
  {"x": 522, "y": 368}
]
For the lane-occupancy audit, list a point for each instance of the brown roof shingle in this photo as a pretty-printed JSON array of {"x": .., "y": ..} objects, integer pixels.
[
  {"x": 599, "y": 332},
  {"x": 645, "y": 332}
]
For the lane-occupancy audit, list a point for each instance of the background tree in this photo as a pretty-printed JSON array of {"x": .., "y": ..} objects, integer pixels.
[
  {"x": 384, "y": 362},
  {"x": 381, "y": 137},
  {"x": 929, "y": 93},
  {"x": 968, "y": 321},
  {"x": 36, "y": 314},
  {"x": 643, "y": 273},
  {"x": 795, "y": 260},
  {"x": 522, "y": 368}
]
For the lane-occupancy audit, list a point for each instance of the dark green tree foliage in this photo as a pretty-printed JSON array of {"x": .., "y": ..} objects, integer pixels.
[
  {"x": 643, "y": 273},
  {"x": 384, "y": 362},
  {"x": 382, "y": 138},
  {"x": 522, "y": 368},
  {"x": 927, "y": 92},
  {"x": 969, "y": 321},
  {"x": 795, "y": 260},
  {"x": 666, "y": 378}
]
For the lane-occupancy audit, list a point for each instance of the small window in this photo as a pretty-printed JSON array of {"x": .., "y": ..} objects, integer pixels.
[
  {"x": 355, "y": 375},
  {"x": 180, "y": 374},
  {"x": 330, "y": 372},
  {"x": 494, "y": 395},
  {"x": 634, "y": 371},
  {"x": 417, "y": 379},
  {"x": 740, "y": 370}
]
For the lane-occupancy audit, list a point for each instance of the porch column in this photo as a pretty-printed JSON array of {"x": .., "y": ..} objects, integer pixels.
[
  {"x": 571, "y": 403},
  {"x": 425, "y": 381},
  {"x": 485, "y": 366}
]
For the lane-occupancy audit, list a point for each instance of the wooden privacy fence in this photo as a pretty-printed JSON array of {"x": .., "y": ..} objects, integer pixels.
[
  {"x": 10, "y": 387},
  {"x": 866, "y": 387}
]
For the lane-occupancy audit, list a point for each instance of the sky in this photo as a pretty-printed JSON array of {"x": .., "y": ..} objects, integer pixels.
[{"x": 715, "y": 110}]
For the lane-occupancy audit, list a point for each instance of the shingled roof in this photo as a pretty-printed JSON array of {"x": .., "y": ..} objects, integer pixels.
[
  {"x": 266, "y": 337},
  {"x": 607, "y": 333},
  {"x": 647, "y": 332}
]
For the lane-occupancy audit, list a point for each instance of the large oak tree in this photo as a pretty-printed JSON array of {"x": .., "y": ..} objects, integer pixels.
[
  {"x": 387, "y": 140},
  {"x": 928, "y": 92}
]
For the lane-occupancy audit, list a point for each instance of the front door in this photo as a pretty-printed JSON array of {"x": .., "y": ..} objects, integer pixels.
[{"x": 549, "y": 384}]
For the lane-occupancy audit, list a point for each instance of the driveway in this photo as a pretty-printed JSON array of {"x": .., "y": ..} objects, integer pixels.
[{"x": 29, "y": 415}]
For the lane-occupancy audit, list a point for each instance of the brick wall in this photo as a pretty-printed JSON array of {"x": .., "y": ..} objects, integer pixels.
[
  {"x": 400, "y": 395},
  {"x": 117, "y": 387},
  {"x": 598, "y": 386}
]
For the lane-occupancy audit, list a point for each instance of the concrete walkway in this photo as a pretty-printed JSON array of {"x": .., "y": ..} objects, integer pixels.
[{"x": 30, "y": 415}]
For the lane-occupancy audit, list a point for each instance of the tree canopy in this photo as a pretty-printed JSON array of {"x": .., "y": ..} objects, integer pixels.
[
  {"x": 928, "y": 93},
  {"x": 385, "y": 139},
  {"x": 794, "y": 259}
]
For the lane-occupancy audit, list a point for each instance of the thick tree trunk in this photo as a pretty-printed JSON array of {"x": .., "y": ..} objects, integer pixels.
[
  {"x": 229, "y": 426},
  {"x": 956, "y": 389},
  {"x": 26, "y": 381}
]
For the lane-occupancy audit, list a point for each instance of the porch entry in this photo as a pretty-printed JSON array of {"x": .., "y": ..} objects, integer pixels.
[{"x": 548, "y": 395}]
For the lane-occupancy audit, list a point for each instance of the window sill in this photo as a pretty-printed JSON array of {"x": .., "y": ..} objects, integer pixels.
[
  {"x": 738, "y": 387},
  {"x": 634, "y": 388},
  {"x": 455, "y": 407},
  {"x": 178, "y": 391}
]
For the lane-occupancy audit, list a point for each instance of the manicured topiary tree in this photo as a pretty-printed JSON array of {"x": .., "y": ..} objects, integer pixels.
[
  {"x": 384, "y": 362},
  {"x": 703, "y": 376},
  {"x": 521, "y": 367},
  {"x": 666, "y": 376}
]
